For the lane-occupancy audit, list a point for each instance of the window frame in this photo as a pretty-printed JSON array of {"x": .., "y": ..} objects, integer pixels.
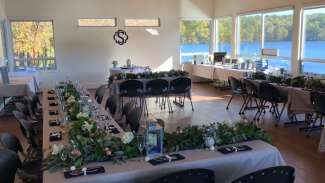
[
  {"x": 303, "y": 36},
  {"x": 142, "y": 26},
  {"x": 212, "y": 34},
  {"x": 262, "y": 34},
  {"x": 216, "y": 32},
  {"x": 98, "y": 26},
  {"x": 13, "y": 67}
]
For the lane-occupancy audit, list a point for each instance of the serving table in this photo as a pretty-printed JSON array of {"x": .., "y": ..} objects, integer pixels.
[
  {"x": 226, "y": 167},
  {"x": 19, "y": 86}
]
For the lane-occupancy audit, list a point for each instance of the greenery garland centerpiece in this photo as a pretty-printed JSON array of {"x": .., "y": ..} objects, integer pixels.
[{"x": 148, "y": 75}]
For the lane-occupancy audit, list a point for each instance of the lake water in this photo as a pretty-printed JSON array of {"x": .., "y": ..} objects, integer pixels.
[{"x": 313, "y": 49}]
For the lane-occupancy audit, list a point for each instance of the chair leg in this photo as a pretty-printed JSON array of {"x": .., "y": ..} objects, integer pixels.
[
  {"x": 241, "y": 111},
  {"x": 232, "y": 96}
]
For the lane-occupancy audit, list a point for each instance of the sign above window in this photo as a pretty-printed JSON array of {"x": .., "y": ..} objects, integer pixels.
[
  {"x": 110, "y": 22},
  {"x": 142, "y": 22}
]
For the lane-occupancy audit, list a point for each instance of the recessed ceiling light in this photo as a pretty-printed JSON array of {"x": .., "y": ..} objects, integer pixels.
[{"x": 153, "y": 32}]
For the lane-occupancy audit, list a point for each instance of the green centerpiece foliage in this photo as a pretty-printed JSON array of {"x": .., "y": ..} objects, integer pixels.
[{"x": 150, "y": 75}]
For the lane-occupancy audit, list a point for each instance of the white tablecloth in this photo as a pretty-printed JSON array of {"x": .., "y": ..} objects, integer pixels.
[
  {"x": 226, "y": 167},
  {"x": 134, "y": 70},
  {"x": 222, "y": 73},
  {"x": 19, "y": 86}
]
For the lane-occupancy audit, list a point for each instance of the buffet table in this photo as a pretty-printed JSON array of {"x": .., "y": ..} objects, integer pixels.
[
  {"x": 226, "y": 167},
  {"x": 216, "y": 72}
]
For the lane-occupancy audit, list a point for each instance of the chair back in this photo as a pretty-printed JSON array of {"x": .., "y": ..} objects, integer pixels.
[
  {"x": 131, "y": 88},
  {"x": 270, "y": 92},
  {"x": 180, "y": 85},
  {"x": 188, "y": 176},
  {"x": 157, "y": 87},
  {"x": 100, "y": 92},
  {"x": 133, "y": 119},
  {"x": 318, "y": 101},
  {"x": 19, "y": 115},
  {"x": 11, "y": 142},
  {"x": 235, "y": 83},
  {"x": 281, "y": 174},
  {"x": 28, "y": 132},
  {"x": 9, "y": 163},
  {"x": 111, "y": 104},
  {"x": 127, "y": 107},
  {"x": 21, "y": 107},
  {"x": 250, "y": 87}
]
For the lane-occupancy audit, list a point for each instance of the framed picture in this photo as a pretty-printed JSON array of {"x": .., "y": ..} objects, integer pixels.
[{"x": 154, "y": 142}]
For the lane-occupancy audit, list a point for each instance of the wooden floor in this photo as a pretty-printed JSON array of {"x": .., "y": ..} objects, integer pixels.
[{"x": 209, "y": 103}]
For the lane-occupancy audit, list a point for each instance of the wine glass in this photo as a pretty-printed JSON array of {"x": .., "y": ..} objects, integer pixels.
[{"x": 141, "y": 143}]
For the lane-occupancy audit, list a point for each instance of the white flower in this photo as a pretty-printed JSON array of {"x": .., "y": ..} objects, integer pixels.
[
  {"x": 127, "y": 137},
  {"x": 87, "y": 126},
  {"x": 82, "y": 115},
  {"x": 56, "y": 149},
  {"x": 71, "y": 100},
  {"x": 72, "y": 168}
]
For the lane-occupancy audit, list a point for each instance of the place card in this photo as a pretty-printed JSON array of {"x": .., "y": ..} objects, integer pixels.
[
  {"x": 232, "y": 149},
  {"x": 84, "y": 172},
  {"x": 54, "y": 123},
  {"x": 55, "y": 136},
  {"x": 166, "y": 159}
]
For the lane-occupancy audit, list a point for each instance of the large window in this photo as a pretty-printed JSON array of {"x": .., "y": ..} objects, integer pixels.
[
  {"x": 195, "y": 39},
  {"x": 250, "y": 31},
  {"x": 313, "y": 54},
  {"x": 269, "y": 30},
  {"x": 224, "y": 35},
  {"x": 33, "y": 45}
]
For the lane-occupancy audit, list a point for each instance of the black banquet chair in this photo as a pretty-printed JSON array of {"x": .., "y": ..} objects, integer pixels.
[
  {"x": 100, "y": 92},
  {"x": 159, "y": 88},
  {"x": 132, "y": 89},
  {"x": 237, "y": 89},
  {"x": 181, "y": 87},
  {"x": 280, "y": 174},
  {"x": 9, "y": 164},
  {"x": 188, "y": 176},
  {"x": 112, "y": 104},
  {"x": 133, "y": 119}
]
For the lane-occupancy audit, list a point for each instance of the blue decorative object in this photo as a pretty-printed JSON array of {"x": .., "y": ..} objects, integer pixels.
[{"x": 154, "y": 137}]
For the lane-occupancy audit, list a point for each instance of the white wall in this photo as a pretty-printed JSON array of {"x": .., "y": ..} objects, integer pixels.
[
  {"x": 235, "y": 7},
  {"x": 86, "y": 53}
]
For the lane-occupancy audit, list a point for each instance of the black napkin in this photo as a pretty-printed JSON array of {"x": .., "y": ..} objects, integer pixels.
[
  {"x": 54, "y": 123},
  {"x": 113, "y": 129},
  {"x": 231, "y": 149},
  {"x": 53, "y": 113},
  {"x": 165, "y": 159},
  {"x": 53, "y": 104},
  {"x": 51, "y": 92},
  {"x": 55, "y": 136},
  {"x": 79, "y": 172},
  {"x": 50, "y": 98}
]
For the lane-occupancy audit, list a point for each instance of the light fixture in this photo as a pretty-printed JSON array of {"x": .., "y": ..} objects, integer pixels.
[{"x": 153, "y": 32}]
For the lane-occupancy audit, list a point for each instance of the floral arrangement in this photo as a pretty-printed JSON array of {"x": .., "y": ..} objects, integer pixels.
[
  {"x": 222, "y": 133},
  {"x": 88, "y": 143},
  {"x": 149, "y": 75}
]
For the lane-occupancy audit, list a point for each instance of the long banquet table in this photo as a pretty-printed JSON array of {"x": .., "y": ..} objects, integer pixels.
[{"x": 226, "y": 167}]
